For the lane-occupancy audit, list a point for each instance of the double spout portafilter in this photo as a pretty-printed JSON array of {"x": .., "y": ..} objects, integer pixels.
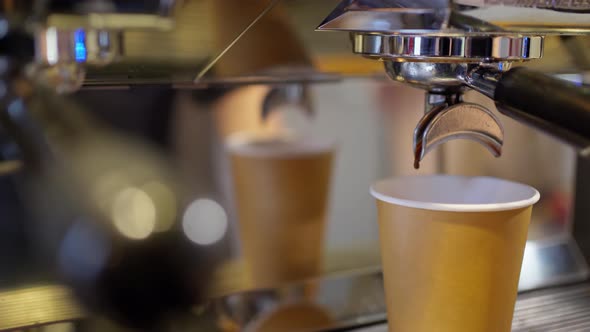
[{"x": 449, "y": 47}]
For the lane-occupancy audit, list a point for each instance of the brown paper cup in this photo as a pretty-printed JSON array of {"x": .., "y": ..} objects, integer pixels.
[
  {"x": 281, "y": 187},
  {"x": 452, "y": 251}
]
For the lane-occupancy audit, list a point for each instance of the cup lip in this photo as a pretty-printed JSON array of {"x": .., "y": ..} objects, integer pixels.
[
  {"x": 239, "y": 144},
  {"x": 456, "y": 207}
]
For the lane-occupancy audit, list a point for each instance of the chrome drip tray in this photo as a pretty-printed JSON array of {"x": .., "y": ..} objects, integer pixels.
[
  {"x": 351, "y": 299},
  {"x": 551, "y": 310},
  {"x": 557, "y": 309}
]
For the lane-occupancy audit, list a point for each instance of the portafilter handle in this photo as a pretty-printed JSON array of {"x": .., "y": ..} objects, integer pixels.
[{"x": 553, "y": 105}]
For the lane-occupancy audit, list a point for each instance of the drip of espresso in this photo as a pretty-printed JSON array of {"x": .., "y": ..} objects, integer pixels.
[{"x": 417, "y": 154}]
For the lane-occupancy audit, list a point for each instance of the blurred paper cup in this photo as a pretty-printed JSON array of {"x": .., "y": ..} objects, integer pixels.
[
  {"x": 281, "y": 185},
  {"x": 452, "y": 251}
]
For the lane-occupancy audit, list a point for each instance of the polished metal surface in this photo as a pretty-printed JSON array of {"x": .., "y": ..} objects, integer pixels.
[
  {"x": 352, "y": 298},
  {"x": 106, "y": 14},
  {"x": 124, "y": 190},
  {"x": 445, "y": 77},
  {"x": 358, "y": 298},
  {"x": 285, "y": 95},
  {"x": 62, "y": 54},
  {"x": 433, "y": 77},
  {"x": 171, "y": 77},
  {"x": 460, "y": 121},
  {"x": 196, "y": 43},
  {"x": 446, "y": 48},
  {"x": 424, "y": 17},
  {"x": 89, "y": 46},
  {"x": 216, "y": 59},
  {"x": 574, "y": 6},
  {"x": 386, "y": 16},
  {"x": 484, "y": 80},
  {"x": 289, "y": 77},
  {"x": 564, "y": 309},
  {"x": 559, "y": 309},
  {"x": 449, "y": 77},
  {"x": 126, "y": 76},
  {"x": 27, "y": 307},
  {"x": 552, "y": 262}
]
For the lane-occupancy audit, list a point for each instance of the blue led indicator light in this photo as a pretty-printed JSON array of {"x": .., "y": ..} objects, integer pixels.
[{"x": 80, "y": 45}]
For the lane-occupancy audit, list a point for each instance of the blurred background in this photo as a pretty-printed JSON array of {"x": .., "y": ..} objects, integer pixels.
[{"x": 149, "y": 96}]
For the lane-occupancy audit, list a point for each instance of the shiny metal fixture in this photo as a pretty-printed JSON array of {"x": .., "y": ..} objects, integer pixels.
[
  {"x": 463, "y": 120},
  {"x": 88, "y": 46},
  {"x": 446, "y": 78},
  {"x": 287, "y": 94},
  {"x": 61, "y": 55},
  {"x": 433, "y": 48},
  {"x": 448, "y": 47},
  {"x": 473, "y": 17},
  {"x": 69, "y": 35}
]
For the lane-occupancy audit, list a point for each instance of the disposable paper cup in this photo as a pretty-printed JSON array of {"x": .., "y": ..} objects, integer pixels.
[
  {"x": 452, "y": 250},
  {"x": 281, "y": 186}
]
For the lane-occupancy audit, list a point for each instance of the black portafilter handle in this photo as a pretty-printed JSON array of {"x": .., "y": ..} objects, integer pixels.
[{"x": 556, "y": 106}]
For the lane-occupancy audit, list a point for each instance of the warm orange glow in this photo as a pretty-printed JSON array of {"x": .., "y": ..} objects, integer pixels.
[
  {"x": 348, "y": 64},
  {"x": 8, "y": 6},
  {"x": 240, "y": 111}
]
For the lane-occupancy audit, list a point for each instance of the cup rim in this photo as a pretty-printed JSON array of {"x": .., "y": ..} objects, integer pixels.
[
  {"x": 529, "y": 195},
  {"x": 294, "y": 145}
]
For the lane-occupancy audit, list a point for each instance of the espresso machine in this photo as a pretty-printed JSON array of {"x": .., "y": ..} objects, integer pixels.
[{"x": 99, "y": 205}]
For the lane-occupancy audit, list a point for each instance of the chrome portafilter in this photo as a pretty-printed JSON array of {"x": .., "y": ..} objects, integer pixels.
[
  {"x": 445, "y": 48},
  {"x": 445, "y": 59},
  {"x": 463, "y": 120},
  {"x": 557, "y": 107},
  {"x": 446, "y": 65},
  {"x": 447, "y": 116}
]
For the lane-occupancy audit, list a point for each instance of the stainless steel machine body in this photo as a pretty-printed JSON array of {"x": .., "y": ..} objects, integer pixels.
[
  {"x": 446, "y": 47},
  {"x": 72, "y": 170}
]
